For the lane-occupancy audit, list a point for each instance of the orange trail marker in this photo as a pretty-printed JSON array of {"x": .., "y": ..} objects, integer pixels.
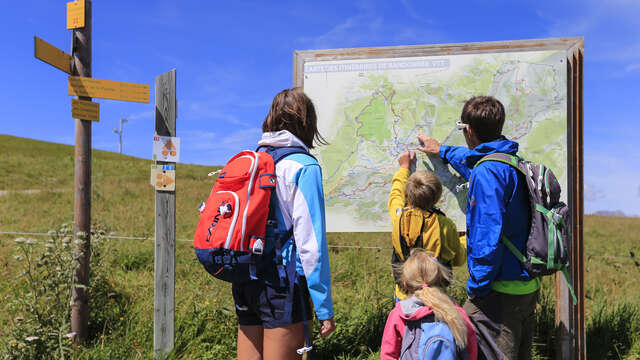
[
  {"x": 52, "y": 55},
  {"x": 166, "y": 148},
  {"x": 108, "y": 89},
  {"x": 163, "y": 177}
]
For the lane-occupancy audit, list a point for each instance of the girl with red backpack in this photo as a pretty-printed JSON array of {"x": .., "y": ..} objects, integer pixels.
[{"x": 273, "y": 319}]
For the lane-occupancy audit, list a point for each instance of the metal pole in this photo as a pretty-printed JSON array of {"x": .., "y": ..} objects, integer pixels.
[
  {"x": 120, "y": 137},
  {"x": 119, "y": 132},
  {"x": 81, "y": 66}
]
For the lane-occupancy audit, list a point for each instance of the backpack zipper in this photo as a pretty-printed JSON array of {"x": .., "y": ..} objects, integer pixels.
[
  {"x": 254, "y": 168},
  {"x": 235, "y": 217}
]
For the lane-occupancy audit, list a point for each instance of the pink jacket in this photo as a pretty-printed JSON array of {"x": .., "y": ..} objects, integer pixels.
[{"x": 413, "y": 309}]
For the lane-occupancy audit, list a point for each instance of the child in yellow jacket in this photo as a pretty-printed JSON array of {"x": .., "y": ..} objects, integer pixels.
[{"x": 415, "y": 220}]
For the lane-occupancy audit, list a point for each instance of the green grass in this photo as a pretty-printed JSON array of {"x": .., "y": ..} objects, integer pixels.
[{"x": 123, "y": 202}]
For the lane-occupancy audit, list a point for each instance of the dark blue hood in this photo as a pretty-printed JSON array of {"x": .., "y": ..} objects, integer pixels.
[{"x": 502, "y": 145}]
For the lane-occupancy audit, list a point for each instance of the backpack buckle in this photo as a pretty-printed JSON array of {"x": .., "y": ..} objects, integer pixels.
[{"x": 258, "y": 245}]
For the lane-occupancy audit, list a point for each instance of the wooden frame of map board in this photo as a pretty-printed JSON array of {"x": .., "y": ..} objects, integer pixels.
[{"x": 569, "y": 318}]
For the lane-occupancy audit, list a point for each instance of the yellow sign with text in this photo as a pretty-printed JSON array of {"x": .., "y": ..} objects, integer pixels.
[
  {"x": 75, "y": 14},
  {"x": 52, "y": 55},
  {"x": 85, "y": 110},
  {"x": 108, "y": 89}
]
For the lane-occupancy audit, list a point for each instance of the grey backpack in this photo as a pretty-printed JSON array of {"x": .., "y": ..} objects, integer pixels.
[{"x": 548, "y": 245}]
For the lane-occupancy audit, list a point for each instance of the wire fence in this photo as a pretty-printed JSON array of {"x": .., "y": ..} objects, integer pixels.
[
  {"x": 18, "y": 233},
  {"x": 117, "y": 237}
]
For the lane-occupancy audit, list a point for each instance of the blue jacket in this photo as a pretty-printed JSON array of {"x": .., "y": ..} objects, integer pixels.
[{"x": 497, "y": 204}]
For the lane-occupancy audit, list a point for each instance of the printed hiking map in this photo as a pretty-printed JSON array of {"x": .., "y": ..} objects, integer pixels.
[{"x": 369, "y": 110}]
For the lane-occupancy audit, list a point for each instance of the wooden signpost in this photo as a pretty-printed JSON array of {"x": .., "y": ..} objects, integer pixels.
[
  {"x": 78, "y": 65},
  {"x": 165, "y": 238},
  {"x": 81, "y": 66}
]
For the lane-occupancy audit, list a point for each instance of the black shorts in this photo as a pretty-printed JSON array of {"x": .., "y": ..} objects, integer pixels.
[{"x": 258, "y": 303}]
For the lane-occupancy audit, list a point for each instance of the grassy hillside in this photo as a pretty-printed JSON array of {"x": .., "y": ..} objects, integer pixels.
[
  {"x": 123, "y": 202},
  {"x": 122, "y": 196}
]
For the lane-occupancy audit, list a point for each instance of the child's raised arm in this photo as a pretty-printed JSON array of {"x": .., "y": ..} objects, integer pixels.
[{"x": 396, "y": 197}]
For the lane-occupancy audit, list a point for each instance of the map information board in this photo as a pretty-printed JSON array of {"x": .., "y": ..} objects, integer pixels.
[{"x": 369, "y": 109}]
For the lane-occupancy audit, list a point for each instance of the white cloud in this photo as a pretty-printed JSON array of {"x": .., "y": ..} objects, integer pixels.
[
  {"x": 212, "y": 111},
  {"x": 610, "y": 29},
  {"x": 413, "y": 13},
  {"x": 141, "y": 115},
  {"x": 206, "y": 140},
  {"x": 611, "y": 179},
  {"x": 593, "y": 193},
  {"x": 205, "y": 147},
  {"x": 367, "y": 24},
  {"x": 632, "y": 67}
]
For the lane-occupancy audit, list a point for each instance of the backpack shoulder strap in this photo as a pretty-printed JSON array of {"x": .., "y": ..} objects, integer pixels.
[
  {"x": 512, "y": 160},
  {"x": 438, "y": 211}
]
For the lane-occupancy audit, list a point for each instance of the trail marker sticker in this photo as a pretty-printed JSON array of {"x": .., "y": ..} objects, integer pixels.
[
  {"x": 51, "y": 55},
  {"x": 166, "y": 148},
  {"x": 75, "y": 14},
  {"x": 85, "y": 110},
  {"x": 108, "y": 89},
  {"x": 163, "y": 177}
]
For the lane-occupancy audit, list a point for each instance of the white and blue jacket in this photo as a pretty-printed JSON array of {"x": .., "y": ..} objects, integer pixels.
[{"x": 301, "y": 206}]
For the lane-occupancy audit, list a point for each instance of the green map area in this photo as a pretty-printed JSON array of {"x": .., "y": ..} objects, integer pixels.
[{"x": 369, "y": 110}]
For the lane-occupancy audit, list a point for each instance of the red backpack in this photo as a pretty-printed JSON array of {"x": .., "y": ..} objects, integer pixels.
[{"x": 238, "y": 230}]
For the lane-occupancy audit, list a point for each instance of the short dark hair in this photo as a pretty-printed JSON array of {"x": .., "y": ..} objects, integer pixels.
[
  {"x": 292, "y": 110},
  {"x": 423, "y": 190},
  {"x": 485, "y": 115}
]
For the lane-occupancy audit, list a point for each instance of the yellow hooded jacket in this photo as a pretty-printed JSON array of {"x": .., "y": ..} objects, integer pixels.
[{"x": 439, "y": 233}]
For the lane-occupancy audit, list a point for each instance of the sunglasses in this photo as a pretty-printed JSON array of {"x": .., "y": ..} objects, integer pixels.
[{"x": 460, "y": 125}]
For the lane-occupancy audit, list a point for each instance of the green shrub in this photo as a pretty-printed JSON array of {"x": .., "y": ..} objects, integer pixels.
[{"x": 40, "y": 327}]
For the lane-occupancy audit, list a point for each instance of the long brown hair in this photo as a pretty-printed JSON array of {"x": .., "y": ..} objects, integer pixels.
[
  {"x": 424, "y": 277},
  {"x": 292, "y": 110}
]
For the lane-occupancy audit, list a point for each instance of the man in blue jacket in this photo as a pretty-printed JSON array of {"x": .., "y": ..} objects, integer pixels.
[{"x": 502, "y": 294}]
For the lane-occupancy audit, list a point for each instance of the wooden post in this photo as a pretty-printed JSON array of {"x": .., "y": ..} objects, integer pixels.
[
  {"x": 569, "y": 317},
  {"x": 165, "y": 239},
  {"x": 81, "y": 66}
]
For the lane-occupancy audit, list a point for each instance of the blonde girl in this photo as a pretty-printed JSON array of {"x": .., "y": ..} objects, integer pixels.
[{"x": 425, "y": 278}]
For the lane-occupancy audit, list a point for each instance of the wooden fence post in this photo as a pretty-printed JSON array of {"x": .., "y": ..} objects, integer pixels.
[
  {"x": 165, "y": 238},
  {"x": 81, "y": 66}
]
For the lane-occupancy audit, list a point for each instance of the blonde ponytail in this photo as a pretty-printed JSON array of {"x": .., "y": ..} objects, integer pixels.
[{"x": 425, "y": 277}]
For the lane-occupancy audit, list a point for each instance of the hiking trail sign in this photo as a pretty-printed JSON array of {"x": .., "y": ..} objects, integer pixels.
[
  {"x": 108, "y": 89},
  {"x": 85, "y": 110},
  {"x": 51, "y": 55},
  {"x": 81, "y": 84}
]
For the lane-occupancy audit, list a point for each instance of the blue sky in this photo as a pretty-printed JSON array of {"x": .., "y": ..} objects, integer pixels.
[{"x": 233, "y": 57}]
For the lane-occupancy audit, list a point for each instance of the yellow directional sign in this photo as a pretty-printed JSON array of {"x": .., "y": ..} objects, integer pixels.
[
  {"x": 75, "y": 14},
  {"x": 108, "y": 89},
  {"x": 85, "y": 110},
  {"x": 52, "y": 55}
]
